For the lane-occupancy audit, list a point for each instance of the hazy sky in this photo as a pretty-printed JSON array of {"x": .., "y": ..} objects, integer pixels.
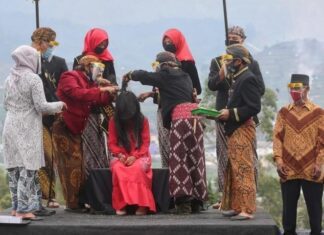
[
  {"x": 300, "y": 17},
  {"x": 268, "y": 22}
]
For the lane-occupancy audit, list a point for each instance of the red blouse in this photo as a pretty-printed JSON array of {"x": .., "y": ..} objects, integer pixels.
[
  {"x": 80, "y": 95},
  {"x": 115, "y": 148}
]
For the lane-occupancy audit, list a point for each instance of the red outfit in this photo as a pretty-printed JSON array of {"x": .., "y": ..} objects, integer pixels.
[
  {"x": 92, "y": 39},
  {"x": 132, "y": 185},
  {"x": 183, "y": 52},
  {"x": 80, "y": 95}
]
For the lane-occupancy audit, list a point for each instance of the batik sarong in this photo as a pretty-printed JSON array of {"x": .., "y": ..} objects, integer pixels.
[
  {"x": 69, "y": 161},
  {"x": 221, "y": 153},
  {"x": 240, "y": 188},
  {"x": 94, "y": 144},
  {"x": 187, "y": 156},
  {"x": 46, "y": 174}
]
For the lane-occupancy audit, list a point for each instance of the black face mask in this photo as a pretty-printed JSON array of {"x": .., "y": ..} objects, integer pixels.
[
  {"x": 99, "y": 50},
  {"x": 231, "y": 42},
  {"x": 232, "y": 69},
  {"x": 170, "y": 47}
]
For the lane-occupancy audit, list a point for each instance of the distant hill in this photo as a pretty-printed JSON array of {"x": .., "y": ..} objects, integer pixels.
[{"x": 279, "y": 61}]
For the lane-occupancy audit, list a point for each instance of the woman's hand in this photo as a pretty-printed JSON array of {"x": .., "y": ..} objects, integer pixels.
[
  {"x": 127, "y": 77},
  {"x": 122, "y": 158},
  {"x": 110, "y": 89},
  {"x": 130, "y": 160},
  {"x": 143, "y": 96},
  {"x": 103, "y": 82}
]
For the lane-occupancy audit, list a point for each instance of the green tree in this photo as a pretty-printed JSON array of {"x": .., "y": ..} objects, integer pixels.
[
  {"x": 268, "y": 113},
  {"x": 5, "y": 200}
]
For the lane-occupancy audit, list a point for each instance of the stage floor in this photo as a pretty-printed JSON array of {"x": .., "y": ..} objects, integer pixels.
[{"x": 207, "y": 222}]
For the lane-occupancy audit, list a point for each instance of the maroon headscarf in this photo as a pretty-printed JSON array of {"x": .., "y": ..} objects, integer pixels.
[
  {"x": 183, "y": 51},
  {"x": 92, "y": 39}
]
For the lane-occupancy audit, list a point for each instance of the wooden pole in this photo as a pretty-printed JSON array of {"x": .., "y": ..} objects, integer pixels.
[
  {"x": 37, "y": 13},
  {"x": 225, "y": 22}
]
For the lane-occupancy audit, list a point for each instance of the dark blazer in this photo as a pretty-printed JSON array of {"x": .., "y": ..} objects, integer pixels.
[
  {"x": 51, "y": 74},
  {"x": 244, "y": 101},
  {"x": 222, "y": 87},
  {"x": 175, "y": 87},
  {"x": 190, "y": 68}
]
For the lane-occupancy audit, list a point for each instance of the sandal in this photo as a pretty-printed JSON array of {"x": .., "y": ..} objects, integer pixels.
[
  {"x": 217, "y": 205},
  {"x": 52, "y": 203},
  {"x": 121, "y": 212},
  {"x": 141, "y": 210}
]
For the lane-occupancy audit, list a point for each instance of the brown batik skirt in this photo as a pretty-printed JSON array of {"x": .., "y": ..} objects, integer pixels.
[
  {"x": 221, "y": 153},
  {"x": 47, "y": 177},
  {"x": 187, "y": 159},
  {"x": 69, "y": 161},
  {"x": 240, "y": 186}
]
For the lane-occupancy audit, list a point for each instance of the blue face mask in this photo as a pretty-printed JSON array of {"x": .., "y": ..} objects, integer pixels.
[{"x": 48, "y": 53}]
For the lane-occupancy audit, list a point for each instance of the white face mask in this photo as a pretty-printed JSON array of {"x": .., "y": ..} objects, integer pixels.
[{"x": 97, "y": 70}]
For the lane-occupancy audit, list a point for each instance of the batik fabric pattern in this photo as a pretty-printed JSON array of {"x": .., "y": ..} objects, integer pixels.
[{"x": 187, "y": 155}]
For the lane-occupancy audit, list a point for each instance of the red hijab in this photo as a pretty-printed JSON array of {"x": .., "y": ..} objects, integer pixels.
[
  {"x": 92, "y": 39},
  {"x": 183, "y": 51}
]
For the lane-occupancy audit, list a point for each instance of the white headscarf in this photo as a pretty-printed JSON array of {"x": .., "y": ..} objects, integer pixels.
[{"x": 27, "y": 59}]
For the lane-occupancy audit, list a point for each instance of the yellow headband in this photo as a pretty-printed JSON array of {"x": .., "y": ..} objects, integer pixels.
[
  {"x": 98, "y": 64},
  {"x": 155, "y": 64},
  {"x": 54, "y": 43},
  {"x": 295, "y": 85},
  {"x": 226, "y": 57}
]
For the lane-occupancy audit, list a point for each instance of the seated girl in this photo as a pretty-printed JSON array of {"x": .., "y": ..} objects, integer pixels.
[{"x": 129, "y": 141}]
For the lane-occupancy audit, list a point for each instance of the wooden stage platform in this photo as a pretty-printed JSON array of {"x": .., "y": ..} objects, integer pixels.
[{"x": 207, "y": 222}]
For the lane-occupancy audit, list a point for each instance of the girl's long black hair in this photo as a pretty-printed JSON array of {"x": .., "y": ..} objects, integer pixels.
[{"x": 128, "y": 116}]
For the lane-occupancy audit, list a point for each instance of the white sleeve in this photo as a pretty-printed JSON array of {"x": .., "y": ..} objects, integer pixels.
[{"x": 40, "y": 103}]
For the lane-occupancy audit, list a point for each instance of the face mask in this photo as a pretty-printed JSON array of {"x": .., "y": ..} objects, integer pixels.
[
  {"x": 231, "y": 68},
  {"x": 96, "y": 71},
  {"x": 170, "y": 47},
  {"x": 231, "y": 42},
  {"x": 48, "y": 53},
  {"x": 99, "y": 50},
  {"x": 296, "y": 95}
]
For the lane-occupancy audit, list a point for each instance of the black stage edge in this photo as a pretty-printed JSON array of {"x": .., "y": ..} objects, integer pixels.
[{"x": 207, "y": 222}]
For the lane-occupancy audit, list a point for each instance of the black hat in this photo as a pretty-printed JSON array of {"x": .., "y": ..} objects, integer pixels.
[
  {"x": 239, "y": 51},
  {"x": 300, "y": 78},
  {"x": 127, "y": 105}
]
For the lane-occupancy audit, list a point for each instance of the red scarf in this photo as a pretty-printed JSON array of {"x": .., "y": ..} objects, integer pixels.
[
  {"x": 92, "y": 39},
  {"x": 183, "y": 51}
]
